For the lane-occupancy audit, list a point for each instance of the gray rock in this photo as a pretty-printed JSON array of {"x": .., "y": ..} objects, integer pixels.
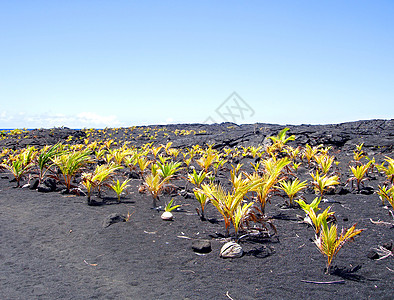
[
  {"x": 34, "y": 184},
  {"x": 42, "y": 188},
  {"x": 201, "y": 246}
]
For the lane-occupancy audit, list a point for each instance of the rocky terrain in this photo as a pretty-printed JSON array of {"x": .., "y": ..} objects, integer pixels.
[{"x": 55, "y": 246}]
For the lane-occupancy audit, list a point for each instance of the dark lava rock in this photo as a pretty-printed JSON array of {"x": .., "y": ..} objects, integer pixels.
[
  {"x": 133, "y": 175},
  {"x": 34, "y": 184},
  {"x": 42, "y": 188},
  {"x": 51, "y": 183},
  {"x": 201, "y": 246},
  {"x": 343, "y": 191},
  {"x": 113, "y": 218},
  {"x": 388, "y": 246},
  {"x": 367, "y": 190},
  {"x": 185, "y": 194},
  {"x": 373, "y": 255}
]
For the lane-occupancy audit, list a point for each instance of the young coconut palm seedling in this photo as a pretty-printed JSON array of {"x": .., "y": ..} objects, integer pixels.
[
  {"x": 291, "y": 188},
  {"x": 155, "y": 184},
  {"x": 173, "y": 152},
  {"x": 119, "y": 188},
  {"x": 291, "y": 152},
  {"x": 324, "y": 162},
  {"x": 155, "y": 150},
  {"x": 218, "y": 164},
  {"x": 358, "y": 154},
  {"x": 309, "y": 152},
  {"x": 203, "y": 200},
  {"x": 280, "y": 140},
  {"x": 197, "y": 178},
  {"x": 359, "y": 174},
  {"x": 255, "y": 151},
  {"x": 323, "y": 183},
  {"x": 70, "y": 163},
  {"x": 44, "y": 159},
  {"x": 168, "y": 169},
  {"x": 329, "y": 243},
  {"x": 308, "y": 208},
  {"x": 167, "y": 214},
  {"x": 389, "y": 170},
  {"x": 207, "y": 159},
  {"x": 98, "y": 178},
  {"x": 312, "y": 218},
  {"x": 386, "y": 193},
  {"x": 19, "y": 164},
  {"x": 143, "y": 164},
  {"x": 228, "y": 202}
]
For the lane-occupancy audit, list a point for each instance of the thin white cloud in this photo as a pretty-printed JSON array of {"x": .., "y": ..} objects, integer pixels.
[{"x": 50, "y": 120}]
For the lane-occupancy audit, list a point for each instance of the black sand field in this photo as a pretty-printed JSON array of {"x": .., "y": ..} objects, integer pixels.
[{"x": 55, "y": 246}]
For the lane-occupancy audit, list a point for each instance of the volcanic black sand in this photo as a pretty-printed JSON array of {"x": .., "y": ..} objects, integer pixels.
[{"x": 55, "y": 246}]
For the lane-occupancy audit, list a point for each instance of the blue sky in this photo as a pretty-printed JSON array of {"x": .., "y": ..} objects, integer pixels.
[{"x": 123, "y": 63}]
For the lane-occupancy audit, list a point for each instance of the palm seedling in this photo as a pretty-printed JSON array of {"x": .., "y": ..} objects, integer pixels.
[
  {"x": 44, "y": 159},
  {"x": 202, "y": 199},
  {"x": 291, "y": 188},
  {"x": 239, "y": 215},
  {"x": 227, "y": 203},
  {"x": 108, "y": 144},
  {"x": 325, "y": 150},
  {"x": 295, "y": 166},
  {"x": 255, "y": 151},
  {"x": 329, "y": 243},
  {"x": 280, "y": 140},
  {"x": 323, "y": 183},
  {"x": 155, "y": 150},
  {"x": 324, "y": 162},
  {"x": 358, "y": 153},
  {"x": 168, "y": 169},
  {"x": 99, "y": 177},
  {"x": 19, "y": 164},
  {"x": 207, "y": 159},
  {"x": 119, "y": 188},
  {"x": 310, "y": 152},
  {"x": 291, "y": 152},
  {"x": 271, "y": 176},
  {"x": 167, "y": 146},
  {"x": 169, "y": 207},
  {"x": 255, "y": 166},
  {"x": 359, "y": 174},
  {"x": 167, "y": 214},
  {"x": 312, "y": 218},
  {"x": 389, "y": 170},
  {"x": 155, "y": 184},
  {"x": 187, "y": 160},
  {"x": 117, "y": 155},
  {"x": 386, "y": 194},
  {"x": 100, "y": 153},
  {"x": 218, "y": 163},
  {"x": 173, "y": 152},
  {"x": 143, "y": 163},
  {"x": 70, "y": 163},
  {"x": 236, "y": 178},
  {"x": 274, "y": 165},
  {"x": 197, "y": 178}
]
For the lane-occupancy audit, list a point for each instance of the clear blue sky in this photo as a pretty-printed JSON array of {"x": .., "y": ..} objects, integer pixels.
[{"x": 91, "y": 63}]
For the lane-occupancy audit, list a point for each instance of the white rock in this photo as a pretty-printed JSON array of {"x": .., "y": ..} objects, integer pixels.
[
  {"x": 231, "y": 250},
  {"x": 167, "y": 216}
]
